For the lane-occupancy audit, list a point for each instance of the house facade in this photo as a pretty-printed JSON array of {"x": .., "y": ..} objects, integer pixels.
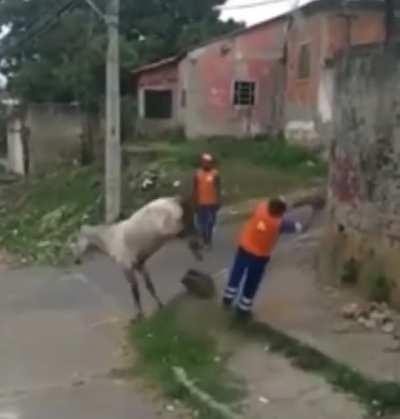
[
  {"x": 235, "y": 85},
  {"x": 272, "y": 77}
]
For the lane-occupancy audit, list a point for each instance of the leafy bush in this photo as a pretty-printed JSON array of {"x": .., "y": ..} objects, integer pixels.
[{"x": 379, "y": 288}]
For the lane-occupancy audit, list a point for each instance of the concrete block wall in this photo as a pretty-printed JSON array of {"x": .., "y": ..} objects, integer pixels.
[
  {"x": 42, "y": 136},
  {"x": 364, "y": 186}
]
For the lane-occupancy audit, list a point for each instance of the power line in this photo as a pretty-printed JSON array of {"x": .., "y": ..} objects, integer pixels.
[
  {"x": 96, "y": 9},
  {"x": 35, "y": 30},
  {"x": 251, "y": 5}
]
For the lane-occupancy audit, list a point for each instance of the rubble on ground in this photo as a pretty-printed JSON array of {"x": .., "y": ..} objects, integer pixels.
[
  {"x": 372, "y": 316},
  {"x": 153, "y": 178}
]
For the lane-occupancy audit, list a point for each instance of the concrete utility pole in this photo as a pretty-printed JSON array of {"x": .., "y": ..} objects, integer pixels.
[{"x": 113, "y": 116}]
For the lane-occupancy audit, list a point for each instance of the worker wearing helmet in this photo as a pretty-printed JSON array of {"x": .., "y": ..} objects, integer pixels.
[
  {"x": 207, "y": 197},
  {"x": 257, "y": 241}
]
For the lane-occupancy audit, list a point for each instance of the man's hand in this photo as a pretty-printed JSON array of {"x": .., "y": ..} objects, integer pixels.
[{"x": 316, "y": 202}]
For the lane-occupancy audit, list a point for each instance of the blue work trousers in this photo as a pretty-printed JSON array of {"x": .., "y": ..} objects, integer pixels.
[
  {"x": 206, "y": 218},
  {"x": 246, "y": 276}
]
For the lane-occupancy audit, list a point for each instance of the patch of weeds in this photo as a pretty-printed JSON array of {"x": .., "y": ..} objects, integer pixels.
[
  {"x": 350, "y": 272},
  {"x": 41, "y": 215},
  {"x": 44, "y": 213},
  {"x": 378, "y": 397},
  {"x": 164, "y": 342},
  {"x": 275, "y": 153},
  {"x": 379, "y": 287}
]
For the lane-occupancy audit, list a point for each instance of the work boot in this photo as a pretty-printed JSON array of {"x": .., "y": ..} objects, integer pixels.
[{"x": 227, "y": 303}]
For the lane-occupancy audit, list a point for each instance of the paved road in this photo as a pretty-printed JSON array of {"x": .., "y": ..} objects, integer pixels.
[{"x": 62, "y": 332}]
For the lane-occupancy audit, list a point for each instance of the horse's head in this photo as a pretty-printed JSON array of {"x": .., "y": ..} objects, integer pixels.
[
  {"x": 189, "y": 231},
  {"x": 82, "y": 246}
]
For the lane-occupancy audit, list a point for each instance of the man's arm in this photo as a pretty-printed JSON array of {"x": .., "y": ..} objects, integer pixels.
[{"x": 291, "y": 227}]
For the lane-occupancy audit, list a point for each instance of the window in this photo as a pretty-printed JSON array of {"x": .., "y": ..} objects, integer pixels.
[
  {"x": 158, "y": 104},
  {"x": 183, "y": 98},
  {"x": 304, "y": 69},
  {"x": 245, "y": 93}
]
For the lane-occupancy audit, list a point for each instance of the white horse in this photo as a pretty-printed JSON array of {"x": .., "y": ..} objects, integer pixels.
[{"x": 130, "y": 243}]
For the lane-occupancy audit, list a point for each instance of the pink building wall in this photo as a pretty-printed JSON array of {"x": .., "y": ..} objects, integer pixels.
[
  {"x": 309, "y": 101},
  {"x": 269, "y": 55},
  {"x": 208, "y": 76}
]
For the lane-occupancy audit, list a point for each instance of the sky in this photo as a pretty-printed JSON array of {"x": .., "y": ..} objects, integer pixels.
[{"x": 255, "y": 11}]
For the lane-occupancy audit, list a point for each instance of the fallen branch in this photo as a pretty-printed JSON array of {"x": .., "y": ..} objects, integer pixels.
[{"x": 184, "y": 380}]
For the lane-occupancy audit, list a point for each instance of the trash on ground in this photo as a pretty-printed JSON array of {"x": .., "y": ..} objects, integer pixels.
[{"x": 199, "y": 284}]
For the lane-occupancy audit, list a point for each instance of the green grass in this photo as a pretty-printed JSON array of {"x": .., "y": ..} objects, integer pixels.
[
  {"x": 378, "y": 397},
  {"x": 264, "y": 153},
  {"x": 249, "y": 168},
  {"x": 174, "y": 338},
  {"x": 39, "y": 216}
]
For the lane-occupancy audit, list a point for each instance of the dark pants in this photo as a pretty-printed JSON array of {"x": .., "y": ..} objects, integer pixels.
[
  {"x": 206, "y": 219},
  {"x": 247, "y": 271}
]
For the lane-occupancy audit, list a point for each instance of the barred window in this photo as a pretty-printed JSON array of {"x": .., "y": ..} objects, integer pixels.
[
  {"x": 304, "y": 69},
  {"x": 245, "y": 93}
]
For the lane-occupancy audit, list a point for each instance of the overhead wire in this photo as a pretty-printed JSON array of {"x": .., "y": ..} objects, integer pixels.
[
  {"x": 34, "y": 29},
  {"x": 249, "y": 5}
]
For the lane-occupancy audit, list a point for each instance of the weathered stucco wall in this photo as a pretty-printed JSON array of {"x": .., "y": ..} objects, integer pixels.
[
  {"x": 55, "y": 134},
  {"x": 365, "y": 163},
  {"x": 41, "y": 136},
  {"x": 208, "y": 75}
]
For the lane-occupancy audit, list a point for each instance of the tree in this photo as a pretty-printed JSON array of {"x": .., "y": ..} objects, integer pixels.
[{"x": 67, "y": 63}]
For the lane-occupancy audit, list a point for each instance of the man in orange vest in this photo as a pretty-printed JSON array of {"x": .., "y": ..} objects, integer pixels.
[
  {"x": 256, "y": 243},
  {"x": 207, "y": 197}
]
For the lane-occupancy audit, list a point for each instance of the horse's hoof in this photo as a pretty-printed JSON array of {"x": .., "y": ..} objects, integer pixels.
[{"x": 136, "y": 320}]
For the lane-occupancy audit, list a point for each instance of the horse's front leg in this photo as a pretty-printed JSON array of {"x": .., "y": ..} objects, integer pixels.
[
  {"x": 131, "y": 277},
  {"x": 150, "y": 286}
]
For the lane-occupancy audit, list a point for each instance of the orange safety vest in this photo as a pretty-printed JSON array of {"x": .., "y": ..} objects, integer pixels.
[
  {"x": 206, "y": 187},
  {"x": 261, "y": 232}
]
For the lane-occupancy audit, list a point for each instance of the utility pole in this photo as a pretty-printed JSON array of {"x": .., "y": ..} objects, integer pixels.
[
  {"x": 113, "y": 117},
  {"x": 389, "y": 19}
]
